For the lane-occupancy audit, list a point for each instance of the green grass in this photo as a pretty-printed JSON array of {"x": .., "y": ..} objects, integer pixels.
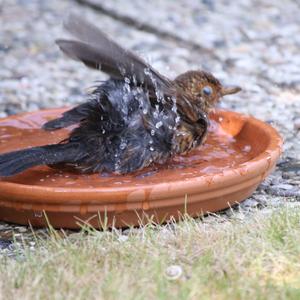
[{"x": 256, "y": 257}]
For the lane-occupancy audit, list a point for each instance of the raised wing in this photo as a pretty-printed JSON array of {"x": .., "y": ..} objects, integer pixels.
[{"x": 96, "y": 50}]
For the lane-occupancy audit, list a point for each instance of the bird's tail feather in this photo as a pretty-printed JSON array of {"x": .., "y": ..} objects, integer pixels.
[{"x": 15, "y": 162}]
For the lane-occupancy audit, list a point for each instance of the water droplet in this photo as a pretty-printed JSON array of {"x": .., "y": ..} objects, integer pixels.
[
  {"x": 247, "y": 148},
  {"x": 147, "y": 71},
  {"x": 103, "y": 131},
  {"x": 117, "y": 166},
  {"x": 134, "y": 79},
  {"x": 151, "y": 148},
  {"x": 122, "y": 70},
  {"x": 38, "y": 214},
  {"x": 158, "y": 124},
  {"x": 70, "y": 182},
  {"x": 145, "y": 111},
  {"x": 152, "y": 132},
  {"x": 126, "y": 89},
  {"x": 101, "y": 118},
  {"x": 123, "y": 146}
]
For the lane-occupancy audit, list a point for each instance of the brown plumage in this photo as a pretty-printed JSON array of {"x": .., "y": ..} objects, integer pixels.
[{"x": 135, "y": 118}]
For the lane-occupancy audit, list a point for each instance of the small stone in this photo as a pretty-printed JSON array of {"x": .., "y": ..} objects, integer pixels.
[
  {"x": 4, "y": 244},
  {"x": 22, "y": 229},
  {"x": 174, "y": 272},
  {"x": 2, "y": 227},
  {"x": 297, "y": 123},
  {"x": 122, "y": 238},
  {"x": 131, "y": 231},
  {"x": 75, "y": 236},
  {"x": 251, "y": 203},
  {"x": 285, "y": 186}
]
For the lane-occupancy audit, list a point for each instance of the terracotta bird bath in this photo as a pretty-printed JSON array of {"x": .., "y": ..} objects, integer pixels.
[{"x": 239, "y": 153}]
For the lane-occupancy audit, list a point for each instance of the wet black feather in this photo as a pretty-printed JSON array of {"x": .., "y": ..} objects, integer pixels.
[{"x": 119, "y": 131}]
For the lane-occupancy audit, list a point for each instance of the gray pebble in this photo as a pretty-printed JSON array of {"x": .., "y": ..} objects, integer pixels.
[
  {"x": 285, "y": 186},
  {"x": 297, "y": 123}
]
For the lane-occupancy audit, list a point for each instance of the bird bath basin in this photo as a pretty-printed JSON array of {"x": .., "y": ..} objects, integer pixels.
[{"x": 239, "y": 153}]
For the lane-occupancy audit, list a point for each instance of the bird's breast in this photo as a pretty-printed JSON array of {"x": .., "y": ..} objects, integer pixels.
[{"x": 184, "y": 140}]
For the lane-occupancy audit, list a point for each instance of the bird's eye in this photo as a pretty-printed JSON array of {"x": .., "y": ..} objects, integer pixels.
[{"x": 207, "y": 90}]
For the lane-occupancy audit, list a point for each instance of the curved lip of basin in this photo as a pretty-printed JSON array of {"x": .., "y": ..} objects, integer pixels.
[{"x": 258, "y": 166}]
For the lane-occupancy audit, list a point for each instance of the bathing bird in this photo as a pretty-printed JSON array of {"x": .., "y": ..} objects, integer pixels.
[{"x": 134, "y": 119}]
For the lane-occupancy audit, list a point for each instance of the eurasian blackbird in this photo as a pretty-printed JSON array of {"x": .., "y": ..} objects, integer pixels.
[{"x": 135, "y": 118}]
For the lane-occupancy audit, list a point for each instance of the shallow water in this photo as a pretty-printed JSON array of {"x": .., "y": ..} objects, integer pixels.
[{"x": 220, "y": 152}]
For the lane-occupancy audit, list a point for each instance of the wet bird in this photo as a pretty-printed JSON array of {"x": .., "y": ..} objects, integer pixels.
[{"x": 135, "y": 118}]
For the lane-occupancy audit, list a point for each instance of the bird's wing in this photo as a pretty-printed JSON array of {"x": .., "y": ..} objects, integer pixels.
[
  {"x": 95, "y": 49},
  {"x": 69, "y": 117}
]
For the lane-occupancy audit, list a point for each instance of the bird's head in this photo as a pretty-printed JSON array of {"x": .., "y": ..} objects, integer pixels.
[{"x": 204, "y": 89}]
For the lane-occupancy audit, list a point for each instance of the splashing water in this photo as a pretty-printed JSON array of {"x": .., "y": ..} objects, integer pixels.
[
  {"x": 158, "y": 93},
  {"x": 123, "y": 145},
  {"x": 159, "y": 124}
]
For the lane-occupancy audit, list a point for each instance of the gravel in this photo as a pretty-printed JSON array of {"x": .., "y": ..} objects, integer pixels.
[{"x": 252, "y": 45}]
